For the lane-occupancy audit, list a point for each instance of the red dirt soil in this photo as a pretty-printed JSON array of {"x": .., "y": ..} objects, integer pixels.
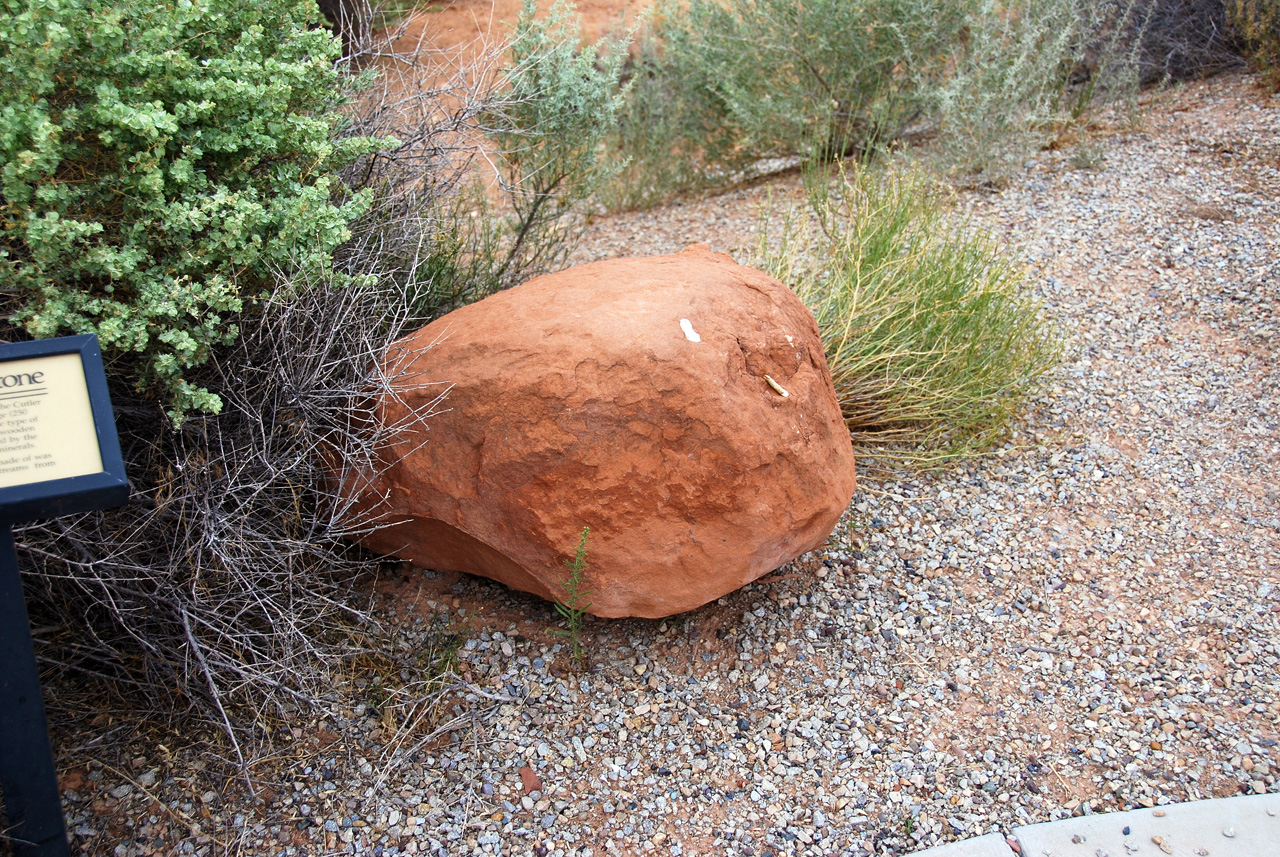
[{"x": 456, "y": 27}]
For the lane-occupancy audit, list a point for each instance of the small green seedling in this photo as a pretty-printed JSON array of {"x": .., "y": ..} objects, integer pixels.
[{"x": 574, "y": 605}]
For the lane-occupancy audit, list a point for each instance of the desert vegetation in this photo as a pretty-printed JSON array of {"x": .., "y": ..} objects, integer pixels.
[
  {"x": 733, "y": 86},
  {"x": 933, "y": 340},
  {"x": 246, "y": 210},
  {"x": 1257, "y": 25}
]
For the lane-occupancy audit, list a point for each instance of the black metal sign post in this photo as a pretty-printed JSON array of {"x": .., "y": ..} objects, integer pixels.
[{"x": 59, "y": 455}]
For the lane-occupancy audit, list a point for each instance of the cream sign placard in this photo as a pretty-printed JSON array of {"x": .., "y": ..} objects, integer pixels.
[{"x": 46, "y": 422}]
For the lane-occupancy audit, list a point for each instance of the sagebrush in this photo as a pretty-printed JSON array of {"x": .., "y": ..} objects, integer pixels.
[
  {"x": 722, "y": 85},
  {"x": 557, "y": 100},
  {"x": 517, "y": 158},
  {"x": 722, "y": 90}
]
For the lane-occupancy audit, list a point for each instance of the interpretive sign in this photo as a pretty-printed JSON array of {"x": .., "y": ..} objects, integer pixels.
[
  {"x": 58, "y": 448},
  {"x": 59, "y": 454},
  {"x": 46, "y": 423}
]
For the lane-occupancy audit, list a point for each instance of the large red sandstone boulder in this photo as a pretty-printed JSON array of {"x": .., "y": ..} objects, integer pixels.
[{"x": 633, "y": 397}]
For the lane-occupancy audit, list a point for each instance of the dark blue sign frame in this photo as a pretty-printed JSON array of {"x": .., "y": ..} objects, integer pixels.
[
  {"x": 28, "y": 778},
  {"x": 57, "y": 497}
]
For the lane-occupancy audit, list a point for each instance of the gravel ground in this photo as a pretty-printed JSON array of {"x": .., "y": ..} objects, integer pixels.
[{"x": 1087, "y": 621}]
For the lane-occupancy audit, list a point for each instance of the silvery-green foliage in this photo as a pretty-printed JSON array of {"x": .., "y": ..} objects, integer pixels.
[
  {"x": 158, "y": 162},
  {"x": 787, "y": 74},
  {"x": 558, "y": 101},
  {"x": 1004, "y": 96},
  {"x": 1029, "y": 68},
  {"x": 720, "y": 85}
]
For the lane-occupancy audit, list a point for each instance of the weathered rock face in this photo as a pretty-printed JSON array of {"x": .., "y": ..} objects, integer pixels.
[{"x": 631, "y": 396}]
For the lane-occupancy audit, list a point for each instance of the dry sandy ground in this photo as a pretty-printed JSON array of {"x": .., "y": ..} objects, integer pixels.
[{"x": 457, "y": 27}]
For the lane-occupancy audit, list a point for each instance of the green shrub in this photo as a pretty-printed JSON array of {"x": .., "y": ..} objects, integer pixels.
[
  {"x": 1258, "y": 22},
  {"x": 1003, "y": 96},
  {"x": 224, "y": 588},
  {"x": 557, "y": 101},
  {"x": 723, "y": 84},
  {"x": 158, "y": 162},
  {"x": 492, "y": 215},
  {"x": 665, "y": 134},
  {"x": 719, "y": 86},
  {"x": 932, "y": 340}
]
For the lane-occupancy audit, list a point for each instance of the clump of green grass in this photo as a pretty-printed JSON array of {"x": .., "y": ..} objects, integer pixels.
[{"x": 932, "y": 338}]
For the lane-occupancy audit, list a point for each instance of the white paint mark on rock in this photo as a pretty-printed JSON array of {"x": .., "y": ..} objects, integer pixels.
[{"x": 689, "y": 333}]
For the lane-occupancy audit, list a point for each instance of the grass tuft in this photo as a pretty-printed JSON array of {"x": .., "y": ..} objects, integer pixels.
[
  {"x": 932, "y": 339},
  {"x": 574, "y": 607}
]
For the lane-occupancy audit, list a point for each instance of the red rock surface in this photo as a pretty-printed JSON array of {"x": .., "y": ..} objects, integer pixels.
[{"x": 628, "y": 396}]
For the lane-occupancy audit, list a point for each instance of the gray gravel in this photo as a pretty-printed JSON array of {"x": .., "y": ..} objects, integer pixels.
[{"x": 1087, "y": 621}]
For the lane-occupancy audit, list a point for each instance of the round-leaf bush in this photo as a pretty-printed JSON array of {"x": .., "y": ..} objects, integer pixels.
[{"x": 160, "y": 162}]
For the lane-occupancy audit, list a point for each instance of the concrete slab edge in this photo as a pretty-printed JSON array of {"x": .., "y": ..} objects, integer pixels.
[
  {"x": 1243, "y": 826},
  {"x": 987, "y": 845}
]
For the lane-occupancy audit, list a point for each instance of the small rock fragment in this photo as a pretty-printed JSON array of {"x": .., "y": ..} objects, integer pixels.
[{"x": 529, "y": 780}]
